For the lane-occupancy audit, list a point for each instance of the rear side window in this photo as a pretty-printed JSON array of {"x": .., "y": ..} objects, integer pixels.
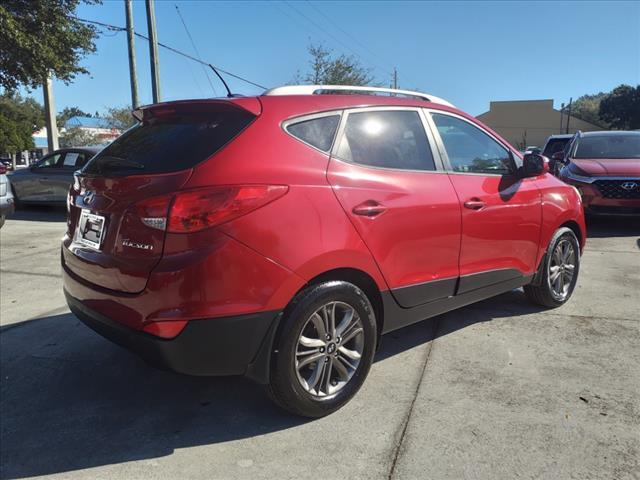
[
  {"x": 317, "y": 132},
  {"x": 388, "y": 139},
  {"x": 74, "y": 160},
  {"x": 170, "y": 144}
]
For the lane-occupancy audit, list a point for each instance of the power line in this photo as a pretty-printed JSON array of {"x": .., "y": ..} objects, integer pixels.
[
  {"x": 174, "y": 50},
  {"x": 355, "y": 40},
  {"x": 325, "y": 32},
  {"x": 195, "y": 49}
]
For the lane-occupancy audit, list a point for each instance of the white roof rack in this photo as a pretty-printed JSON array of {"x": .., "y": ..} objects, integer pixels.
[{"x": 320, "y": 89}]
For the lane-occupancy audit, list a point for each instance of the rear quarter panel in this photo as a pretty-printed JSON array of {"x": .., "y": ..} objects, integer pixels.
[{"x": 561, "y": 203}]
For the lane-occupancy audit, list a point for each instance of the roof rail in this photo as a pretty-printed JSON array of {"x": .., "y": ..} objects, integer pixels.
[{"x": 325, "y": 89}]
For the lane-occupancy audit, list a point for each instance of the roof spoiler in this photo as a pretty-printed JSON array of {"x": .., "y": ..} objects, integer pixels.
[{"x": 249, "y": 104}]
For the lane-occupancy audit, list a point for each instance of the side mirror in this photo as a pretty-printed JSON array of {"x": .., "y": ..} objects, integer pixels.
[{"x": 534, "y": 164}]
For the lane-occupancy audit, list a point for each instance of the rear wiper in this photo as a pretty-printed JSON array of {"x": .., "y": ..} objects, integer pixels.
[{"x": 114, "y": 163}]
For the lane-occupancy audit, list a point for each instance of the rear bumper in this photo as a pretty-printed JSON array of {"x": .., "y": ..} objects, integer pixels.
[{"x": 218, "y": 346}]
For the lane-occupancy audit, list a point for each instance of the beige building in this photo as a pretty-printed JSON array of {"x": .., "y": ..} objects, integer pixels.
[{"x": 530, "y": 122}]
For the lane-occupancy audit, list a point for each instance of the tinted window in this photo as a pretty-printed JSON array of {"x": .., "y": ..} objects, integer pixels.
[
  {"x": 609, "y": 146},
  {"x": 168, "y": 144},
  {"x": 469, "y": 149},
  {"x": 50, "y": 162},
  {"x": 391, "y": 139},
  {"x": 317, "y": 132},
  {"x": 74, "y": 160},
  {"x": 555, "y": 145}
]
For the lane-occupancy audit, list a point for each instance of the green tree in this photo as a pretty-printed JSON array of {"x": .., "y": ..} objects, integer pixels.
[
  {"x": 621, "y": 108},
  {"x": 42, "y": 36},
  {"x": 119, "y": 117},
  {"x": 69, "y": 112},
  {"x": 327, "y": 69},
  {"x": 19, "y": 117},
  {"x": 587, "y": 108},
  {"x": 79, "y": 137}
]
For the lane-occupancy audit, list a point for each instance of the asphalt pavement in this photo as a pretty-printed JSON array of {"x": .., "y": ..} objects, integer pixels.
[{"x": 496, "y": 390}]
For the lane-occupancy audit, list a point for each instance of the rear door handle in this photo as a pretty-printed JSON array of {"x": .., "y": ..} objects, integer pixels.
[
  {"x": 370, "y": 208},
  {"x": 474, "y": 204}
]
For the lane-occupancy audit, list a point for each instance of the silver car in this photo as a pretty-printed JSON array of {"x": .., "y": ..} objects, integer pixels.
[
  {"x": 6, "y": 198},
  {"x": 48, "y": 180}
]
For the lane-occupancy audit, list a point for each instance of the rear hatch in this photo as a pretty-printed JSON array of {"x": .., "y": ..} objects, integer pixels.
[{"x": 115, "y": 233}]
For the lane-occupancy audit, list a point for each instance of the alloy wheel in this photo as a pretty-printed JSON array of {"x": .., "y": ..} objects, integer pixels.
[
  {"x": 562, "y": 269},
  {"x": 329, "y": 349}
]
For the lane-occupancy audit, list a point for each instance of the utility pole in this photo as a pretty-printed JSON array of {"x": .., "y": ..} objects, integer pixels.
[
  {"x": 561, "y": 114},
  {"x": 133, "y": 74},
  {"x": 569, "y": 113},
  {"x": 153, "y": 50},
  {"x": 50, "y": 114},
  {"x": 395, "y": 78}
]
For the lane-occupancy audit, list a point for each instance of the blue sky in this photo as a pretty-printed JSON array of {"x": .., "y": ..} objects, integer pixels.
[{"x": 467, "y": 52}]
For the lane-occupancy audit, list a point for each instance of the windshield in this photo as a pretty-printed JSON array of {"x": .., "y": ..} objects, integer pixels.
[
  {"x": 609, "y": 146},
  {"x": 168, "y": 144}
]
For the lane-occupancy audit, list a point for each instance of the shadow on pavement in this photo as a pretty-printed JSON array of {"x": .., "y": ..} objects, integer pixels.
[
  {"x": 71, "y": 400},
  {"x": 40, "y": 213},
  {"x": 601, "y": 227}
]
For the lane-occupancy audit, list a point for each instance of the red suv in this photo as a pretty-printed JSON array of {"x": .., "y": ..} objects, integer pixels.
[
  {"x": 605, "y": 167},
  {"x": 279, "y": 236}
]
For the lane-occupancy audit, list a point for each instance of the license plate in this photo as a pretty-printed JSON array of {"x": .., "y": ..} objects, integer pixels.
[{"x": 90, "y": 230}]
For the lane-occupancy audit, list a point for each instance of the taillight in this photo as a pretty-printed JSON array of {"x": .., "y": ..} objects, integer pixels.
[{"x": 195, "y": 210}]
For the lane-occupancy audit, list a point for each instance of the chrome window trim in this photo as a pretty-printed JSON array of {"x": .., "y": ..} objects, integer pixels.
[
  {"x": 443, "y": 152},
  {"x": 437, "y": 160},
  {"x": 303, "y": 118}
]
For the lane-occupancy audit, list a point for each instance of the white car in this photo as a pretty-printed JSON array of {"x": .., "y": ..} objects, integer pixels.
[{"x": 7, "y": 204}]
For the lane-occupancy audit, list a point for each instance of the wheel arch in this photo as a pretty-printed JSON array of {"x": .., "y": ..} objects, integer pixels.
[
  {"x": 575, "y": 228},
  {"x": 360, "y": 279}
]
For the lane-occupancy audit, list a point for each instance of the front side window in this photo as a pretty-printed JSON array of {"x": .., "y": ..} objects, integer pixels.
[
  {"x": 388, "y": 139},
  {"x": 469, "y": 149},
  {"x": 317, "y": 132},
  {"x": 50, "y": 162}
]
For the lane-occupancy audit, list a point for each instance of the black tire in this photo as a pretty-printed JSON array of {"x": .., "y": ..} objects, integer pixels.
[
  {"x": 286, "y": 388},
  {"x": 544, "y": 294}
]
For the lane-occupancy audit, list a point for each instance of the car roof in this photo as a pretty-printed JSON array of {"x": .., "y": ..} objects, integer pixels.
[
  {"x": 611, "y": 133},
  {"x": 560, "y": 136},
  {"x": 93, "y": 150}
]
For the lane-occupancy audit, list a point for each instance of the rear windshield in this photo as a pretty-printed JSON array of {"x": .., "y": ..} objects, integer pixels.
[
  {"x": 164, "y": 145},
  {"x": 555, "y": 145},
  {"x": 609, "y": 146}
]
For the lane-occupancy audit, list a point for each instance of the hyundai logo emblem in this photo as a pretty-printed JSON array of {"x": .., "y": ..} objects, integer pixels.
[
  {"x": 88, "y": 197},
  {"x": 629, "y": 185}
]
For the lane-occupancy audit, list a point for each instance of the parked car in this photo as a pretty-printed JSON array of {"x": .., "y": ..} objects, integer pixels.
[
  {"x": 553, "y": 149},
  {"x": 7, "y": 205},
  {"x": 533, "y": 149},
  {"x": 48, "y": 180},
  {"x": 605, "y": 167},
  {"x": 279, "y": 236}
]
